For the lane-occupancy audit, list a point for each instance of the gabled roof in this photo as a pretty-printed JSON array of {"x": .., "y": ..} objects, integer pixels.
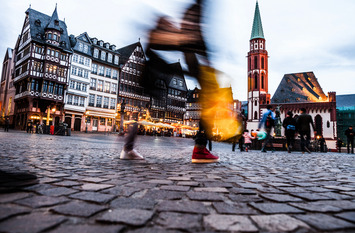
[
  {"x": 178, "y": 74},
  {"x": 190, "y": 93},
  {"x": 38, "y": 24},
  {"x": 257, "y": 31},
  {"x": 84, "y": 37},
  {"x": 299, "y": 88},
  {"x": 127, "y": 51}
]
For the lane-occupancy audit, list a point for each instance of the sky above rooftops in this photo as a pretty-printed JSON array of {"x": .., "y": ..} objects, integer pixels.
[{"x": 301, "y": 35}]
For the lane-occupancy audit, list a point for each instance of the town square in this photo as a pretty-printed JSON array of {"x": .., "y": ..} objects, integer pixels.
[{"x": 179, "y": 116}]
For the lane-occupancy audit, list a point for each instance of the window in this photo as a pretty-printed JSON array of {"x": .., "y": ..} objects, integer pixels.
[
  {"x": 50, "y": 88},
  {"x": 262, "y": 63},
  {"x": 81, "y": 60},
  {"x": 114, "y": 74},
  {"x": 109, "y": 122},
  {"x": 101, "y": 70},
  {"x": 70, "y": 99},
  {"x": 55, "y": 37},
  {"x": 75, "y": 58},
  {"x": 99, "y": 101},
  {"x": 116, "y": 60},
  {"x": 114, "y": 88},
  {"x": 45, "y": 86},
  {"x": 60, "y": 90},
  {"x": 256, "y": 103},
  {"x": 103, "y": 55},
  {"x": 262, "y": 81},
  {"x": 107, "y": 87},
  {"x": 255, "y": 115},
  {"x": 113, "y": 104},
  {"x": 81, "y": 46},
  {"x": 255, "y": 62},
  {"x": 87, "y": 61},
  {"x": 93, "y": 83},
  {"x": 83, "y": 87},
  {"x": 49, "y": 36},
  {"x": 56, "y": 89},
  {"x": 174, "y": 81},
  {"x": 78, "y": 86},
  {"x": 72, "y": 84},
  {"x": 82, "y": 101},
  {"x": 106, "y": 101},
  {"x": 86, "y": 48},
  {"x": 100, "y": 84},
  {"x": 86, "y": 74},
  {"x": 102, "y": 121},
  {"x": 73, "y": 70},
  {"x": 76, "y": 100},
  {"x": 80, "y": 72},
  {"x": 94, "y": 68},
  {"x": 91, "y": 100},
  {"x": 180, "y": 83},
  {"x": 38, "y": 50},
  {"x": 109, "y": 57},
  {"x": 256, "y": 81},
  {"x": 96, "y": 53},
  {"x": 108, "y": 72}
]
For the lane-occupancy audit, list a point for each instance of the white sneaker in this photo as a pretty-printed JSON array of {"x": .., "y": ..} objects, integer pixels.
[{"x": 131, "y": 155}]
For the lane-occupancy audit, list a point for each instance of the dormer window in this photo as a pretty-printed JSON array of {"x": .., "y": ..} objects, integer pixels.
[
  {"x": 38, "y": 22},
  {"x": 49, "y": 36},
  {"x": 86, "y": 48},
  {"x": 174, "y": 81},
  {"x": 101, "y": 43},
  {"x": 94, "y": 41},
  {"x": 81, "y": 46},
  {"x": 107, "y": 45},
  {"x": 56, "y": 22},
  {"x": 55, "y": 37}
]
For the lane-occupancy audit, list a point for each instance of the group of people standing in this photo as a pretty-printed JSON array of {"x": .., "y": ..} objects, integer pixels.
[{"x": 302, "y": 125}]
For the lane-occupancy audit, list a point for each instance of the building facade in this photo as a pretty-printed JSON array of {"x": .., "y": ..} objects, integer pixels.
[
  {"x": 345, "y": 114},
  {"x": 7, "y": 89},
  {"x": 100, "y": 112},
  {"x": 76, "y": 95},
  {"x": 193, "y": 108},
  {"x": 42, "y": 61}
]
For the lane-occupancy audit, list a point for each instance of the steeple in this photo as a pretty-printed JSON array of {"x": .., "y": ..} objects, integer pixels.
[
  {"x": 257, "y": 31},
  {"x": 54, "y": 22}
]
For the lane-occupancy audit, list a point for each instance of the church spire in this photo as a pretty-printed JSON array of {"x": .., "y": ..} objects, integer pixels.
[{"x": 257, "y": 31}]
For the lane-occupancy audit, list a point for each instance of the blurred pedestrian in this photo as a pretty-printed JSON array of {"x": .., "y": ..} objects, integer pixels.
[
  {"x": 247, "y": 139},
  {"x": 303, "y": 127},
  {"x": 322, "y": 144},
  {"x": 268, "y": 122},
  {"x": 289, "y": 124},
  {"x": 7, "y": 124},
  {"x": 350, "y": 139}
]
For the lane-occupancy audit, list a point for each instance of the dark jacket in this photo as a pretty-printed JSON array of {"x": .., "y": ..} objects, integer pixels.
[
  {"x": 303, "y": 122},
  {"x": 350, "y": 133},
  {"x": 288, "y": 121}
]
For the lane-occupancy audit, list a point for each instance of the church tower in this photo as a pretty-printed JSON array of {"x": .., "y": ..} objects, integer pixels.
[{"x": 257, "y": 70}]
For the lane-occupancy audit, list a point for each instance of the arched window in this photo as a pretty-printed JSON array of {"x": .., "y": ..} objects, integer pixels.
[
  {"x": 256, "y": 81},
  {"x": 255, "y": 62},
  {"x": 256, "y": 103},
  {"x": 255, "y": 115},
  {"x": 262, "y": 81},
  {"x": 262, "y": 63}
]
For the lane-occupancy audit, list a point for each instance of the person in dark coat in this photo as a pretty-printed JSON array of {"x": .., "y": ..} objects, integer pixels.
[
  {"x": 350, "y": 139},
  {"x": 339, "y": 144},
  {"x": 289, "y": 124},
  {"x": 303, "y": 127},
  {"x": 7, "y": 124}
]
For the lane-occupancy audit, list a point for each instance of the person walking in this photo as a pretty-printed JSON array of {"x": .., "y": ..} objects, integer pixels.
[
  {"x": 7, "y": 124},
  {"x": 247, "y": 139},
  {"x": 268, "y": 122},
  {"x": 350, "y": 139},
  {"x": 289, "y": 124},
  {"x": 303, "y": 127}
]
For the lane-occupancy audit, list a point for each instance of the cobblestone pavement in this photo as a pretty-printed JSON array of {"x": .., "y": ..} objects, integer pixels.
[{"x": 83, "y": 187}]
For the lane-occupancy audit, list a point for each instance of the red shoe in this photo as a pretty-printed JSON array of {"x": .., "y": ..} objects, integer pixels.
[{"x": 202, "y": 155}]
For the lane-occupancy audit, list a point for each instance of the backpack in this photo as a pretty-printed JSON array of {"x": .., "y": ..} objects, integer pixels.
[
  {"x": 270, "y": 122},
  {"x": 291, "y": 127}
]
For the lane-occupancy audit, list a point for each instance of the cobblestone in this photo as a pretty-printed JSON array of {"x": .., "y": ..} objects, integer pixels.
[{"x": 84, "y": 187}]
